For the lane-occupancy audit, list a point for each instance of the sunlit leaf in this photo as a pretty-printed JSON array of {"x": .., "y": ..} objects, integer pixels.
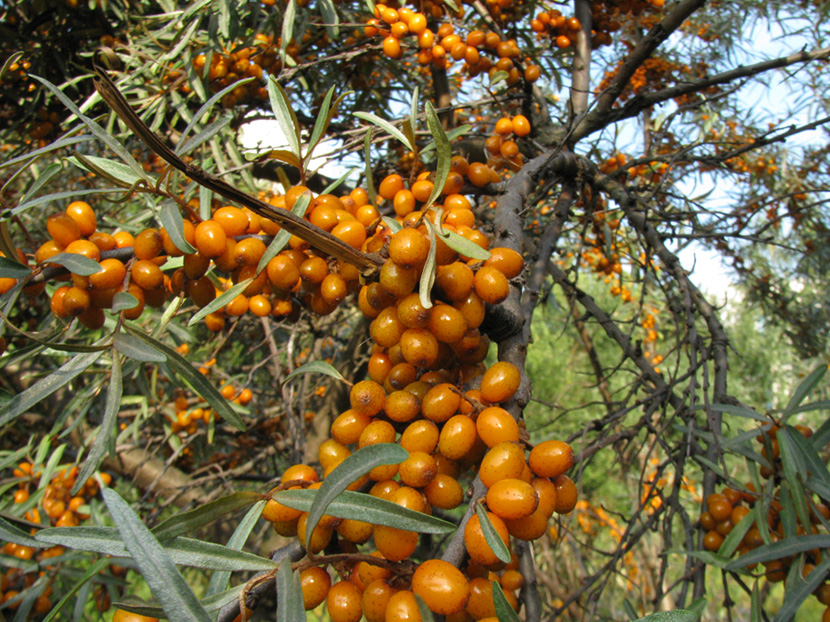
[
  {"x": 171, "y": 219},
  {"x": 78, "y": 264},
  {"x": 366, "y": 508},
  {"x": 387, "y": 127},
  {"x": 186, "y": 522},
  {"x": 429, "y": 270},
  {"x": 281, "y": 239},
  {"x": 315, "y": 367},
  {"x": 442, "y": 144}
]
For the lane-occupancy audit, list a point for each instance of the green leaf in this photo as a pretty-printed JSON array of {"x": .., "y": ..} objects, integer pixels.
[
  {"x": 104, "y": 435},
  {"x": 289, "y": 594},
  {"x": 324, "y": 117},
  {"x": 796, "y": 594},
  {"x": 41, "y": 180},
  {"x": 393, "y": 224},
  {"x": 498, "y": 76},
  {"x": 211, "y": 603},
  {"x": 171, "y": 219},
  {"x": 424, "y": 610},
  {"x": 504, "y": 610},
  {"x": 337, "y": 182},
  {"x": 347, "y": 472},
  {"x": 113, "y": 171},
  {"x": 78, "y": 264},
  {"x": 219, "y": 579},
  {"x": 741, "y": 411},
  {"x": 11, "y": 269},
  {"x": 10, "y": 533},
  {"x": 65, "y": 141},
  {"x": 782, "y": 548},
  {"x": 281, "y": 106},
  {"x": 457, "y": 132},
  {"x": 315, "y": 367},
  {"x": 807, "y": 456},
  {"x": 429, "y": 270},
  {"x": 283, "y": 236},
  {"x": 180, "y": 524},
  {"x": 183, "y": 551},
  {"x": 330, "y": 18},
  {"x": 191, "y": 374},
  {"x": 220, "y": 301},
  {"x": 287, "y": 34},
  {"x": 678, "y": 615},
  {"x": 157, "y": 569},
  {"x": 122, "y": 301},
  {"x": 205, "y": 108},
  {"x": 794, "y": 464},
  {"x": 137, "y": 349},
  {"x": 442, "y": 144},
  {"x": 491, "y": 536},
  {"x": 820, "y": 405},
  {"x": 286, "y": 156},
  {"x": 367, "y": 167},
  {"x": 387, "y": 127},
  {"x": 92, "y": 572},
  {"x": 803, "y": 389},
  {"x": 463, "y": 246},
  {"x": 99, "y": 132},
  {"x": 67, "y": 372},
  {"x": 363, "y": 507},
  {"x": 756, "y": 606}
]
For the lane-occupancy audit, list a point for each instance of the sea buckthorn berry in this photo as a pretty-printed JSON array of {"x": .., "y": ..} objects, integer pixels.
[
  {"x": 447, "y": 323},
  {"x": 500, "y": 382},
  {"x": 440, "y": 403},
  {"x": 419, "y": 347},
  {"x": 352, "y": 232},
  {"x": 301, "y": 472},
  {"x": 551, "y": 458},
  {"x": 368, "y": 572},
  {"x": 712, "y": 540},
  {"x": 476, "y": 544},
  {"x": 395, "y": 544},
  {"x": 122, "y": 615},
  {"x": 457, "y": 438},
  {"x": 718, "y": 506},
  {"x": 403, "y": 203},
  {"x": 442, "y": 586},
  {"x": 62, "y": 229},
  {"x": 411, "y": 313},
  {"x": 260, "y": 305},
  {"x": 377, "y": 432},
  {"x": 75, "y": 301},
  {"x": 84, "y": 217},
  {"x": 367, "y": 398},
  {"x": 491, "y": 285},
  {"x": 348, "y": 426},
  {"x": 504, "y": 461},
  {"x": 276, "y": 512},
  {"x": 111, "y": 275},
  {"x": 386, "y": 329},
  {"x": 455, "y": 281},
  {"x": 472, "y": 309},
  {"x": 233, "y": 220},
  {"x": 392, "y": 48},
  {"x": 495, "y": 425},
  {"x": 397, "y": 280},
  {"x": 408, "y": 248},
  {"x": 146, "y": 274},
  {"x": 481, "y": 606},
  {"x": 379, "y": 367},
  {"x": 332, "y": 453},
  {"x": 546, "y": 491},
  {"x": 512, "y": 499},
  {"x": 506, "y": 260},
  {"x": 376, "y": 598},
  {"x": 402, "y": 607},
  {"x": 400, "y": 376},
  {"x": 444, "y": 492},
  {"x": 521, "y": 126},
  {"x": 418, "y": 470},
  {"x": 479, "y": 174},
  {"x": 315, "y": 583},
  {"x": 201, "y": 291},
  {"x": 401, "y": 406},
  {"x": 333, "y": 289},
  {"x": 282, "y": 272},
  {"x": 504, "y": 126},
  {"x": 248, "y": 252},
  {"x": 320, "y": 537},
  {"x": 565, "y": 494},
  {"x": 210, "y": 238},
  {"x": 528, "y": 528},
  {"x": 343, "y": 602},
  {"x": 420, "y": 436},
  {"x": 390, "y": 186}
]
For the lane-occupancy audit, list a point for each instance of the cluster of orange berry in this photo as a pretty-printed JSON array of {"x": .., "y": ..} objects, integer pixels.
[
  {"x": 188, "y": 416},
  {"x": 229, "y": 67},
  {"x": 724, "y": 510},
  {"x": 62, "y": 510},
  {"x": 443, "y": 47},
  {"x": 553, "y": 24},
  {"x": 502, "y": 150},
  {"x": 422, "y": 357},
  {"x": 607, "y": 15}
]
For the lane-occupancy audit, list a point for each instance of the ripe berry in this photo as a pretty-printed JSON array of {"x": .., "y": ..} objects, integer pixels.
[
  {"x": 315, "y": 583},
  {"x": 442, "y": 586},
  {"x": 343, "y": 602},
  {"x": 440, "y": 403},
  {"x": 504, "y": 461},
  {"x": 210, "y": 238},
  {"x": 419, "y": 436},
  {"x": 551, "y": 458},
  {"x": 491, "y": 285},
  {"x": 408, "y": 248},
  {"x": 418, "y": 470},
  {"x": 444, "y": 492},
  {"x": 62, "y": 229},
  {"x": 475, "y": 542},
  {"x": 367, "y": 398},
  {"x": 565, "y": 494},
  {"x": 457, "y": 437},
  {"x": 376, "y": 598},
  {"x": 512, "y": 499},
  {"x": 395, "y": 544}
]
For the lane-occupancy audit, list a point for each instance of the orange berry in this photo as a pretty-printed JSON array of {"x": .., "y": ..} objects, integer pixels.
[
  {"x": 491, "y": 285},
  {"x": 504, "y": 461},
  {"x": 512, "y": 499},
  {"x": 500, "y": 382},
  {"x": 210, "y": 238},
  {"x": 343, "y": 602},
  {"x": 315, "y": 583},
  {"x": 84, "y": 217},
  {"x": 442, "y": 586},
  {"x": 495, "y": 425},
  {"x": 476, "y": 544},
  {"x": 565, "y": 494},
  {"x": 504, "y": 126}
]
